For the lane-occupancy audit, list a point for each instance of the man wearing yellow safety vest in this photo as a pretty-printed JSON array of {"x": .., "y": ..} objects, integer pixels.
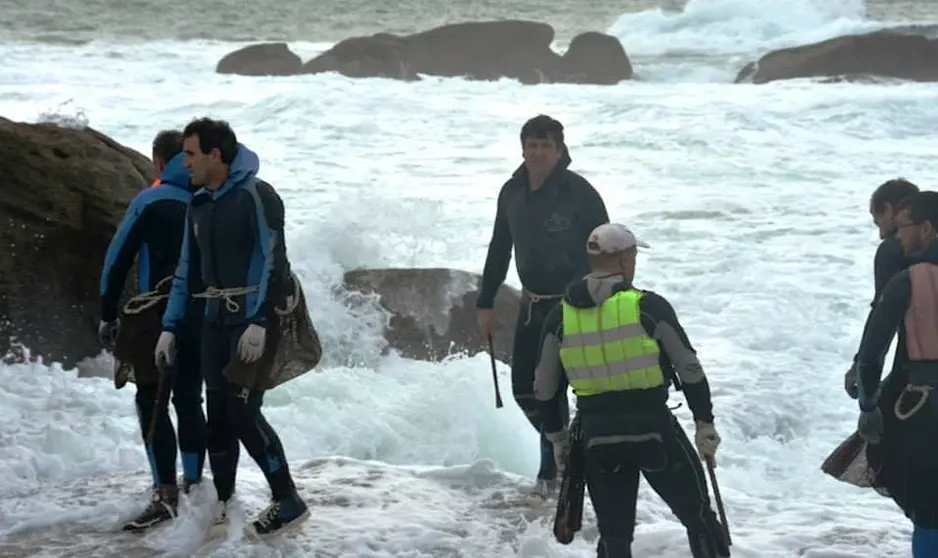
[{"x": 617, "y": 346}]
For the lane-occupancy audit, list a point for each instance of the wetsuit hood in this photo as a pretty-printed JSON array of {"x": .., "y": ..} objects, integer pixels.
[
  {"x": 929, "y": 254},
  {"x": 243, "y": 168},
  {"x": 175, "y": 172},
  {"x": 562, "y": 165},
  {"x": 594, "y": 289}
]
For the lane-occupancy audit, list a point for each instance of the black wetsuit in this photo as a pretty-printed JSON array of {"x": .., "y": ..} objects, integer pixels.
[
  {"x": 888, "y": 261},
  {"x": 908, "y": 454},
  {"x": 548, "y": 229},
  {"x": 234, "y": 238},
  {"x": 152, "y": 232},
  {"x": 669, "y": 463}
]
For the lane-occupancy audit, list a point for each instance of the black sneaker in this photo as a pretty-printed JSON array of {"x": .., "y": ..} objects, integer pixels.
[
  {"x": 278, "y": 517},
  {"x": 162, "y": 508}
]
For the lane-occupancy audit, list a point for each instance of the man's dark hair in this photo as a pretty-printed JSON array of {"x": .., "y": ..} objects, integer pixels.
[
  {"x": 543, "y": 127},
  {"x": 891, "y": 192},
  {"x": 214, "y": 134},
  {"x": 922, "y": 207},
  {"x": 167, "y": 144}
]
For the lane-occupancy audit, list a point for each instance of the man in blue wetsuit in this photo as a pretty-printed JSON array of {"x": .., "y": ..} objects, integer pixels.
[
  {"x": 151, "y": 233},
  {"x": 234, "y": 256}
]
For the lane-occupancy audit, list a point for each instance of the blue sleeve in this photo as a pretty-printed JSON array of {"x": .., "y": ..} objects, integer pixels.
[
  {"x": 270, "y": 260},
  {"x": 120, "y": 256},
  {"x": 187, "y": 270}
]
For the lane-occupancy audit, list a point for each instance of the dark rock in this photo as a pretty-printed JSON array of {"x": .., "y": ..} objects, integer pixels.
[
  {"x": 882, "y": 54},
  {"x": 483, "y": 50},
  {"x": 266, "y": 59},
  {"x": 433, "y": 311},
  {"x": 62, "y": 194},
  {"x": 595, "y": 58}
]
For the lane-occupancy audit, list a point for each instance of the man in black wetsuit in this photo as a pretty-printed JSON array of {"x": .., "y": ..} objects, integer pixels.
[
  {"x": 151, "y": 233},
  {"x": 545, "y": 212},
  {"x": 620, "y": 348},
  {"x": 889, "y": 259},
  {"x": 233, "y": 247},
  {"x": 899, "y": 415}
]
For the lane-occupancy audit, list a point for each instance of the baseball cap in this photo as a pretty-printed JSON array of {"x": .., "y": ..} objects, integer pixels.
[{"x": 611, "y": 238}]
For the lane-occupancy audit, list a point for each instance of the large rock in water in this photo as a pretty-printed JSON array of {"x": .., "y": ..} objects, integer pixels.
[
  {"x": 434, "y": 311},
  {"x": 483, "y": 50},
  {"x": 62, "y": 195},
  {"x": 265, "y": 59},
  {"x": 884, "y": 54}
]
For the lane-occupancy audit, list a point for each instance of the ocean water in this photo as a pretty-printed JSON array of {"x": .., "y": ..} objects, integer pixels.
[{"x": 754, "y": 199}]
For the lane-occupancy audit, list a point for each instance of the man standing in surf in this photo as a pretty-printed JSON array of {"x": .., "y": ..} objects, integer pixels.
[
  {"x": 233, "y": 246},
  {"x": 546, "y": 212}
]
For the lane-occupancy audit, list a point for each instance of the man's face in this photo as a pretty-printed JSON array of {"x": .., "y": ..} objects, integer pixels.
[
  {"x": 913, "y": 236},
  {"x": 884, "y": 220},
  {"x": 200, "y": 164},
  {"x": 540, "y": 155}
]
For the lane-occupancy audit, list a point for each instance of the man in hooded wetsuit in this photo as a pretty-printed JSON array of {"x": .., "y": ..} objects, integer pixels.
[
  {"x": 545, "y": 212},
  {"x": 619, "y": 346},
  {"x": 151, "y": 231},
  {"x": 906, "y": 429},
  {"x": 889, "y": 259},
  {"x": 233, "y": 247}
]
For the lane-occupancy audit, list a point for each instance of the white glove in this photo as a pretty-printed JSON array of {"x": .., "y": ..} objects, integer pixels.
[
  {"x": 165, "y": 349},
  {"x": 707, "y": 440},
  {"x": 251, "y": 344}
]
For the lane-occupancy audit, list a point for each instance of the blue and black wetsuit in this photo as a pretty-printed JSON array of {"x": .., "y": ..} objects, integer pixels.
[
  {"x": 152, "y": 233},
  {"x": 234, "y": 239}
]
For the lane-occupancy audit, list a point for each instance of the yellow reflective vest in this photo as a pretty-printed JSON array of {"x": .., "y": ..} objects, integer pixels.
[{"x": 605, "y": 348}]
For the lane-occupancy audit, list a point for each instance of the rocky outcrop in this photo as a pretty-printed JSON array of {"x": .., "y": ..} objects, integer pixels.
[
  {"x": 484, "y": 50},
  {"x": 266, "y": 59},
  {"x": 62, "y": 194},
  {"x": 881, "y": 54},
  {"x": 433, "y": 311}
]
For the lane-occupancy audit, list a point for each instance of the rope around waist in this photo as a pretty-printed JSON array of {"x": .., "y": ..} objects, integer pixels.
[
  {"x": 534, "y": 298},
  {"x": 144, "y": 301}
]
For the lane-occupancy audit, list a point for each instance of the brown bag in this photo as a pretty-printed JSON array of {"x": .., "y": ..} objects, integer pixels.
[
  {"x": 847, "y": 463},
  {"x": 141, "y": 325},
  {"x": 291, "y": 349}
]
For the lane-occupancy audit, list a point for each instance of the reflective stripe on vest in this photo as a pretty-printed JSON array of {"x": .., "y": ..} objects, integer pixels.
[
  {"x": 605, "y": 348},
  {"x": 921, "y": 319}
]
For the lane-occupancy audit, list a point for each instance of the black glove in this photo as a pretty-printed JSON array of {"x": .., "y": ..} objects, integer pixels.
[
  {"x": 870, "y": 426},
  {"x": 107, "y": 334},
  {"x": 850, "y": 382}
]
